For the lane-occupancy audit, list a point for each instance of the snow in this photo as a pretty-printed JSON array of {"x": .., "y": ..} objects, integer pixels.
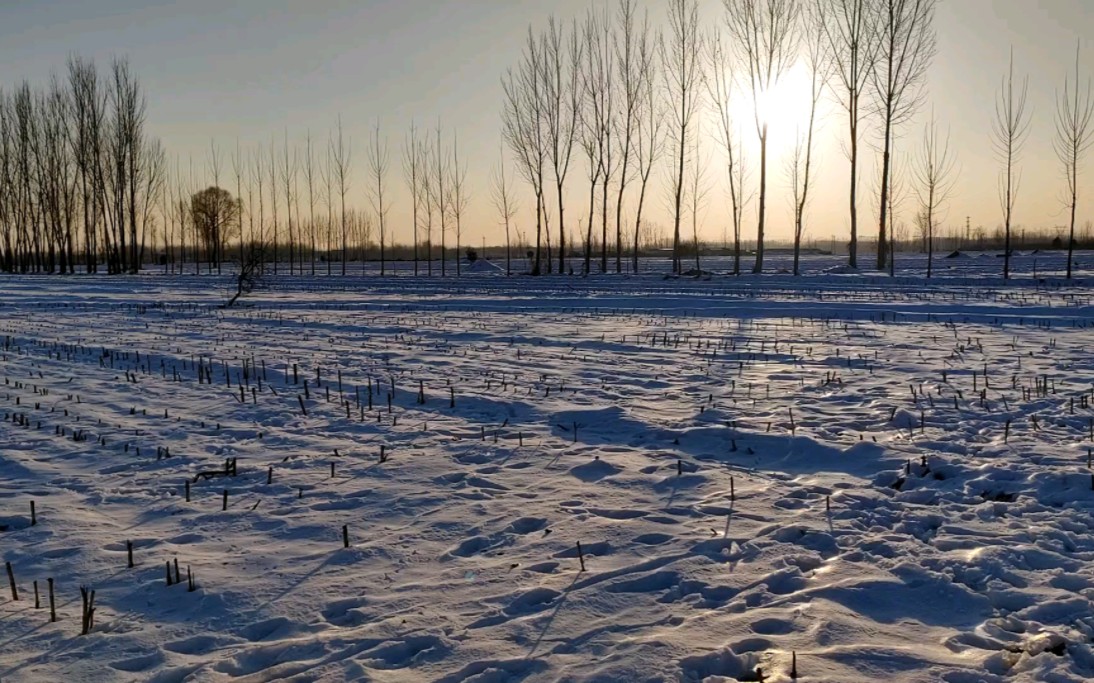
[{"x": 758, "y": 470}]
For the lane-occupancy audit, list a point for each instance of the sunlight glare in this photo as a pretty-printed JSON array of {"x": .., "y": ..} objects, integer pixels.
[{"x": 785, "y": 108}]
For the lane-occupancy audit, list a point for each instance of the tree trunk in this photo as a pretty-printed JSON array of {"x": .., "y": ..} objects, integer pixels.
[
  {"x": 852, "y": 252},
  {"x": 759, "y": 267},
  {"x": 882, "y": 242}
]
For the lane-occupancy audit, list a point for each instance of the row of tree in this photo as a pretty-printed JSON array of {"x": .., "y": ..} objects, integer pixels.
[
  {"x": 79, "y": 176},
  {"x": 291, "y": 200},
  {"x": 623, "y": 94},
  {"x": 81, "y": 182}
]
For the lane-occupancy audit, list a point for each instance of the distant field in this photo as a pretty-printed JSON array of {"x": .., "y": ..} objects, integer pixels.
[{"x": 1024, "y": 265}]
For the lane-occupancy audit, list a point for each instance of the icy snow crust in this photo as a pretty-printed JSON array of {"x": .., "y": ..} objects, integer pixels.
[{"x": 755, "y": 469}]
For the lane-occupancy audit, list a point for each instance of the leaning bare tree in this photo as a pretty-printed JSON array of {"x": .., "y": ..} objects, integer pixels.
[
  {"x": 765, "y": 35},
  {"x": 251, "y": 269},
  {"x": 853, "y": 48},
  {"x": 906, "y": 46},
  {"x": 935, "y": 175},
  {"x": 681, "y": 54},
  {"x": 1010, "y": 128},
  {"x": 1074, "y": 112}
]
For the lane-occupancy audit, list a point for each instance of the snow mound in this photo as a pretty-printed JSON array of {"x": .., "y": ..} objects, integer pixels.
[
  {"x": 483, "y": 266},
  {"x": 842, "y": 270}
]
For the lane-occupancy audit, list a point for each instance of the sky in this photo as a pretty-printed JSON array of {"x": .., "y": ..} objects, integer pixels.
[{"x": 249, "y": 72}]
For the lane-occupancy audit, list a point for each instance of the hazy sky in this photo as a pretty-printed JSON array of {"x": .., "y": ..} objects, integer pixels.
[{"x": 250, "y": 70}]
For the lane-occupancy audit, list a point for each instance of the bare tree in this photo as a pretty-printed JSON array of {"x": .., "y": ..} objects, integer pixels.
[
  {"x": 130, "y": 110},
  {"x": 341, "y": 155},
  {"x": 441, "y": 191},
  {"x": 600, "y": 39},
  {"x": 276, "y": 227},
  {"x": 698, "y": 192},
  {"x": 378, "y": 161},
  {"x": 849, "y": 29},
  {"x": 561, "y": 82},
  {"x": 238, "y": 170},
  {"x": 258, "y": 178},
  {"x": 595, "y": 85},
  {"x": 765, "y": 34},
  {"x": 802, "y": 160},
  {"x": 154, "y": 184},
  {"x": 289, "y": 165},
  {"x": 180, "y": 205},
  {"x": 88, "y": 101},
  {"x": 1009, "y": 131},
  {"x": 631, "y": 61},
  {"x": 427, "y": 200},
  {"x": 328, "y": 172},
  {"x": 309, "y": 177},
  {"x": 897, "y": 188},
  {"x": 595, "y": 166},
  {"x": 935, "y": 180},
  {"x": 124, "y": 145},
  {"x": 413, "y": 167},
  {"x": 649, "y": 137},
  {"x": 720, "y": 88},
  {"x": 1074, "y": 111},
  {"x": 7, "y": 209},
  {"x": 681, "y": 61},
  {"x": 506, "y": 205},
  {"x": 168, "y": 227},
  {"x": 460, "y": 196},
  {"x": 906, "y": 46},
  {"x": 524, "y": 129},
  {"x": 215, "y": 242},
  {"x": 249, "y": 171}
]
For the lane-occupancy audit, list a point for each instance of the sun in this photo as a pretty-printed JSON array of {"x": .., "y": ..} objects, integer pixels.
[{"x": 785, "y": 109}]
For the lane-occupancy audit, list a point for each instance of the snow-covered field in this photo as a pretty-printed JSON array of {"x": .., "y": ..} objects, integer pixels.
[{"x": 879, "y": 481}]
